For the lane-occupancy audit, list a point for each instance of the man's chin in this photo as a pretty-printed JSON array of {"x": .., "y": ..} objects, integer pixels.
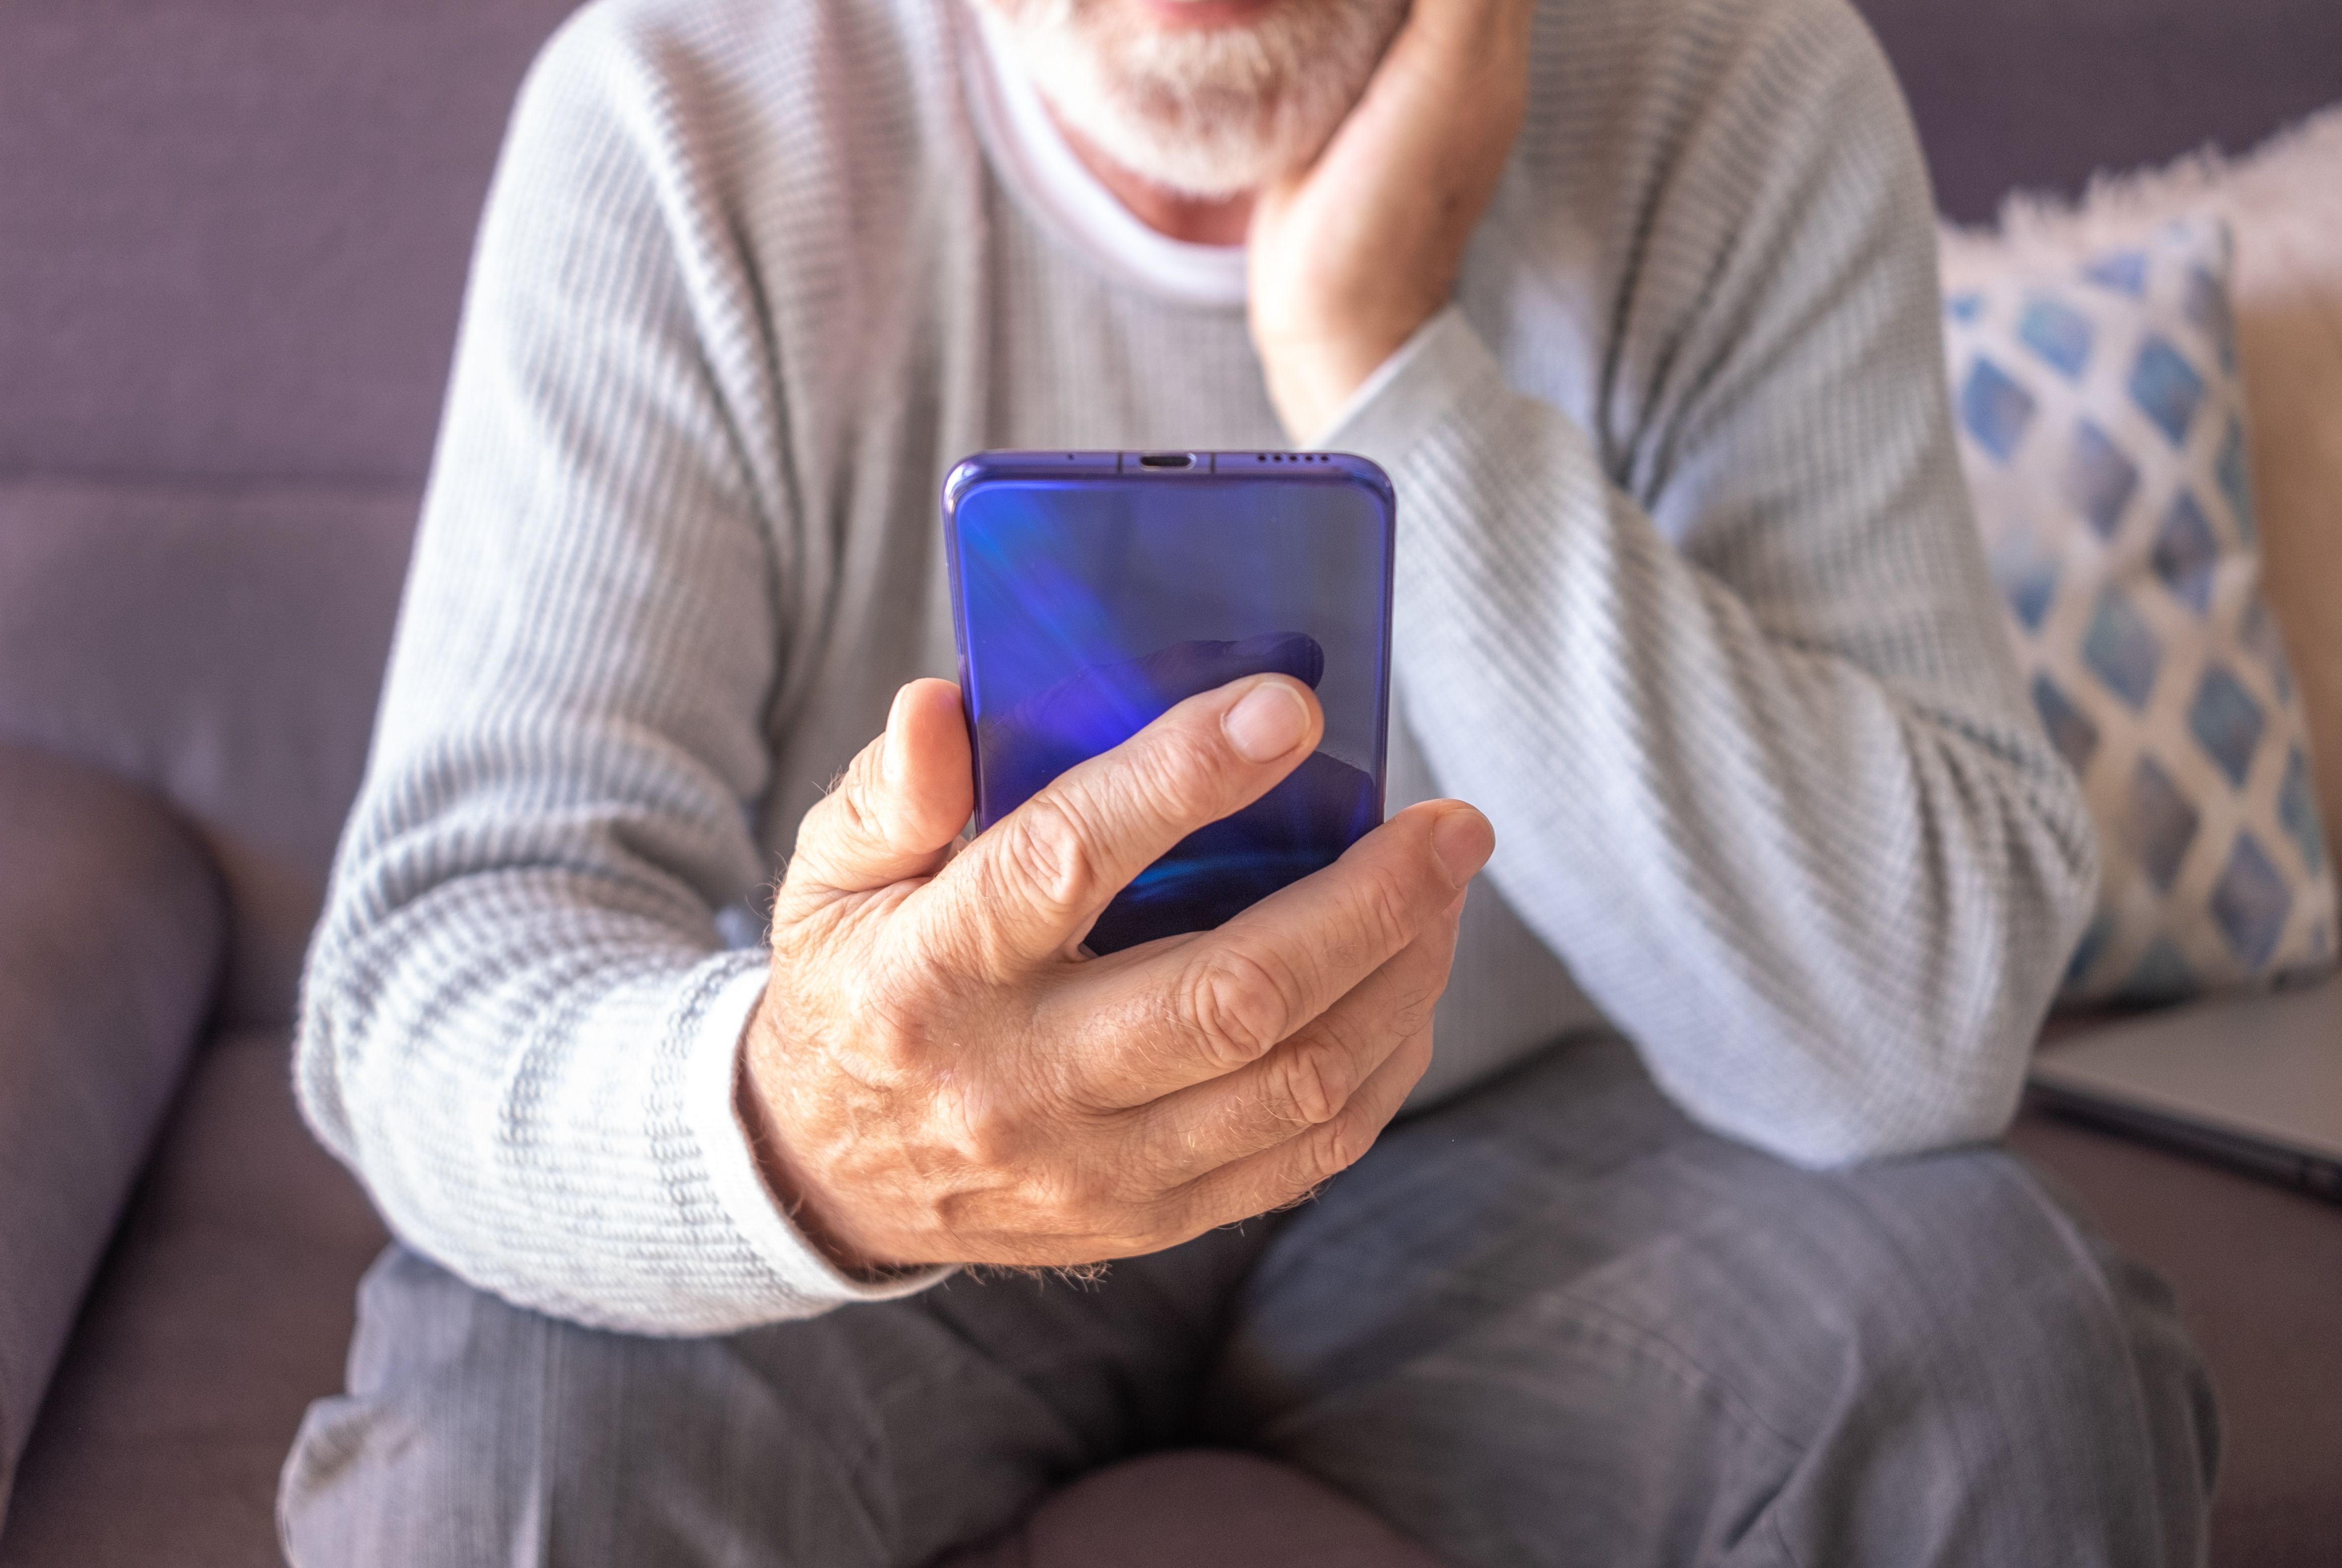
[
  {"x": 1183, "y": 168},
  {"x": 1205, "y": 98}
]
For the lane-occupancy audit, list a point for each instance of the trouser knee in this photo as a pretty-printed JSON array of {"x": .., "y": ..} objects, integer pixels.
[{"x": 2057, "y": 1374}]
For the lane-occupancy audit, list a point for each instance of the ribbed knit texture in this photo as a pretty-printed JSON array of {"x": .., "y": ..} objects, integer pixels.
[{"x": 1689, "y": 602}]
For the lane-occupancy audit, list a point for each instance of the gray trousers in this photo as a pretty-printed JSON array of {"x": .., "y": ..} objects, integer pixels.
[{"x": 1551, "y": 1322}]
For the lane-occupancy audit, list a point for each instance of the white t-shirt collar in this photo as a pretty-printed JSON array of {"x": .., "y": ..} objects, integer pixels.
[{"x": 1032, "y": 158}]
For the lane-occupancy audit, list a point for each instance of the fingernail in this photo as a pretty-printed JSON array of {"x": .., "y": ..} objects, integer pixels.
[
  {"x": 1462, "y": 841},
  {"x": 1268, "y": 723}
]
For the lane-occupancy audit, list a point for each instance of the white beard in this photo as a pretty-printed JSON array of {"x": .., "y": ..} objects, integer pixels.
[{"x": 1203, "y": 110}]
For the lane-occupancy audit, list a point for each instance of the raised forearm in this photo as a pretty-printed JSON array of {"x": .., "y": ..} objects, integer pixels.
[{"x": 1828, "y": 897}]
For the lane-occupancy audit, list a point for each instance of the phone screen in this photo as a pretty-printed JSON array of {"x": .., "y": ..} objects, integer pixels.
[{"x": 1093, "y": 591}]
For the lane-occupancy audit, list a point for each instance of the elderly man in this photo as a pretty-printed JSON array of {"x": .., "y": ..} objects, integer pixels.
[{"x": 1658, "y": 1260}]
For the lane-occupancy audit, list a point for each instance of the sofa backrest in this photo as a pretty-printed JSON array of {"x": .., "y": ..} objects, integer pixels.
[
  {"x": 2038, "y": 93},
  {"x": 220, "y": 645},
  {"x": 230, "y": 261},
  {"x": 236, "y": 229}
]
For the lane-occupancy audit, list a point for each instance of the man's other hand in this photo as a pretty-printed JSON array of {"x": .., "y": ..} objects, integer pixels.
[
  {"x": 940, "y": 1075},
  {"x": 1353, "y": 254}
]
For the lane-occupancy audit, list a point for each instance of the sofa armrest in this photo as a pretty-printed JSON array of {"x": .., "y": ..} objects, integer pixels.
[
  {"x": 112, "y": 934},
  {"x": 2257, "y": 1267}
]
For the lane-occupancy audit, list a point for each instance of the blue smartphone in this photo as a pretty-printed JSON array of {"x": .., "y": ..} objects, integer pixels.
[{"x": 1091, "y": 591}]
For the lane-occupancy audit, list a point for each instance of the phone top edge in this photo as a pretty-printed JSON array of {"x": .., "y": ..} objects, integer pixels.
[
  {"x": 1339, "y": 467},
  {"x": 980, "y": 468}
]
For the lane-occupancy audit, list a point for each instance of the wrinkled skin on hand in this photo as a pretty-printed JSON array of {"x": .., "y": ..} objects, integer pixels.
[{"x": 940, "y": 1072}]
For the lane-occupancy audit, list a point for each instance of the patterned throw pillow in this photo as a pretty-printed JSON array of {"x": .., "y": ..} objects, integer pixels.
[{"x": 2101, "y": 425}]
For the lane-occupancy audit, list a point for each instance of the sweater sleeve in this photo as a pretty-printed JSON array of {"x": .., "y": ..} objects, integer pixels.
[
  {"x": 1733, "y": 686},
  {"x": 519, "y": 1023}
]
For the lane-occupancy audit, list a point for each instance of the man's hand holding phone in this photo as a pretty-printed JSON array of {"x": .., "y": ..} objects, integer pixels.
[{"x": 940, "y": 1075}]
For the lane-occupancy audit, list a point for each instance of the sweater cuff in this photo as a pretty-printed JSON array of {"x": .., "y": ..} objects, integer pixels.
[
  {"x": 712, "y": 1069},
  {"x": 1432, "y": 374}
]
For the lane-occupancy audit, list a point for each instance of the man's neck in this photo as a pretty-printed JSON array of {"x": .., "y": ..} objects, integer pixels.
[{"x": 1196, "y": 220}]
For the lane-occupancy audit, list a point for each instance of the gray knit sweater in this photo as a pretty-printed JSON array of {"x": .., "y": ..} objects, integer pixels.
[{"x": 1689, "y": 602}]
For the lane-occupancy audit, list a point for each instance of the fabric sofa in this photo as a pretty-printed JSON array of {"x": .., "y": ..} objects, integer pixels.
[{"x": 230, "y": 270}]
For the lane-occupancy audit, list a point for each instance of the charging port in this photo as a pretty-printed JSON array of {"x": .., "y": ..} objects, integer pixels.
[{"x": 1165, "y": 460}]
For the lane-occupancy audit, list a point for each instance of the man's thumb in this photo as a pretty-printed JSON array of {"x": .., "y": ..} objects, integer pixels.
[{"x": 897, "y": 807}]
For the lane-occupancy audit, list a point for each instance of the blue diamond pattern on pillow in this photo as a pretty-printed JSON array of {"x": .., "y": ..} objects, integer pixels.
[
  {"x": 2070, "y": 729},
  {"x": 2297, "y": 808},
  {"x": 2236, "y": 482},
  {"x": 2086, "y": 951},
  {"x": 2124, "y": 271},
  {"x": 1995, "y": 409},
  {"x": 2226, "y": 722},
  {"x": 2165, "y": 388},
  {"x": 2257, "y": 635},
  {"x": 2098, "y": 479},
  {"x": 2250, "y": 901},
  {"x": 2162, "y": 824},
  {"x": 2206, "y": 306},
  {"x": 2122, "y": 649},
  {"x": 2028, "y": 576},
  {"x": 2102, "y": 427},
  {"x": 2185, "y": 553},
  {"x": 2163, "y": 975},
  {"x": 2058, "y": 332}
]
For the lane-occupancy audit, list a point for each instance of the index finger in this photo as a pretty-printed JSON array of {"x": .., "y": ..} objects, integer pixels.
[
  {"x": 1183, "y": 1012},
  {"x": 1030, "y": 887}
]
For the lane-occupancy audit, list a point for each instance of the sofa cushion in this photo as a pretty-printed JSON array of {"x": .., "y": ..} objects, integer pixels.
[
  {"x": 110, "y": 937},
  {"x": 221, "y": 647},
  {"x": 2100, "y": 419},
  {"x": 225, "y": 1307}
]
